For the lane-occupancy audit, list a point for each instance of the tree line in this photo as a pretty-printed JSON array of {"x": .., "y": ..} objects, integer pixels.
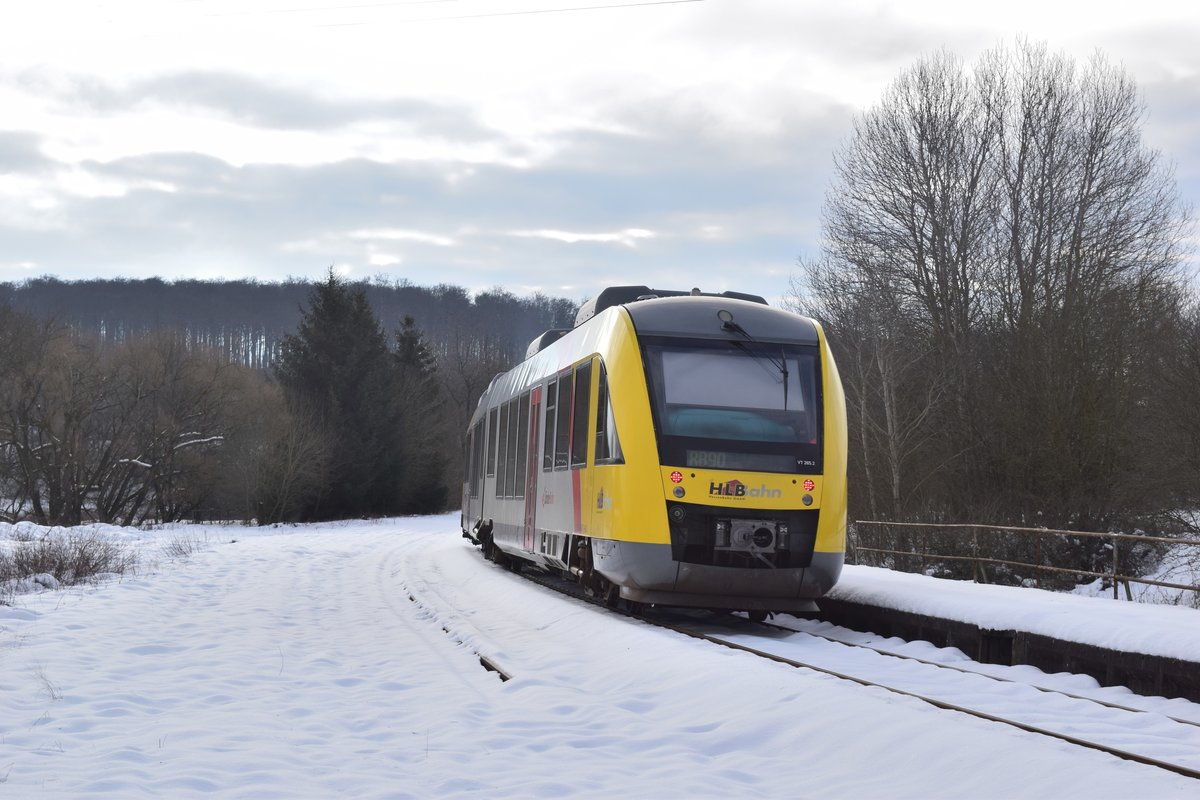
[
  {"x": 1004, "y": 280},
  {"x": 247, "y": 320},
  {"x": 127, "y": 417}
]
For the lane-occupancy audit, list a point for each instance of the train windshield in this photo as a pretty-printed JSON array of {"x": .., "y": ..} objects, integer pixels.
[{"x": 736, "y": 404}]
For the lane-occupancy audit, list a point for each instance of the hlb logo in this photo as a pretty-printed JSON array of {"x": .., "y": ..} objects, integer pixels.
[
  {"x": 736, "y": 488},
  {"x": 732, "y": 489}
]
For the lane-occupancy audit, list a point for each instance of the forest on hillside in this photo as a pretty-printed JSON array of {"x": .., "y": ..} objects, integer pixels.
[
  {"x": 247, "y": 319},
  {"x": 134, "y": 401}
]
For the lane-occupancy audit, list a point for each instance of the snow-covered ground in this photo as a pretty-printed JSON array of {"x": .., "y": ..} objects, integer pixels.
[
  {"x": 343, "y": 660},
  {"x": 1162, "y": 630},
  {"x": 1180, "y": 565}
]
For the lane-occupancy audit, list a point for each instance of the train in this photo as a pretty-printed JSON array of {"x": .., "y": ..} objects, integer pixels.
[{"x": 674, "y": 448}]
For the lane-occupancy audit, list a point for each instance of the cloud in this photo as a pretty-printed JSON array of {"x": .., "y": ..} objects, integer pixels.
[
  {"x": 840, "y": 31},
  {"x": 398, "y": 235},
  {"x": 254, "y": 102},
  {"x": 667, "y": 183},
  {"x": 191, "y": 172},
  {"x": 1173, "y": 119},
  {"x": 20, "y": 152},
  {"x": 628, "y": 237},
  {"x": 693, "y": 150},
  {"x": 581, "y": 227}
]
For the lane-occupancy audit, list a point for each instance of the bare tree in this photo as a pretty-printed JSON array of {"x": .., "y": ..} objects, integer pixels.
[
  {"x": 893, "y": 386},
  {"x": 25, "y": 344},
  {"x": 1089, "y": 250},
  {"x": 279, "y": 458},
  {"x": 129, "y": 433},
  {"x": 1002, "y": 265}
]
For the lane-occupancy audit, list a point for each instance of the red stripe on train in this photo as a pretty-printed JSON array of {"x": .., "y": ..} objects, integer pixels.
[{"x": 575, "y": 500}]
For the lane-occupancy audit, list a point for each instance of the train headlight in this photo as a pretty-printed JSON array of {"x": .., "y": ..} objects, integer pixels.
[
  {"x": 763, "y": 537},
  {"x": 722, "y": 529}
]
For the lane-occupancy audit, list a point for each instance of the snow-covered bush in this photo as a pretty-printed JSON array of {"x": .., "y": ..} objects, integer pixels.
[{"x": 60, "y": 557}]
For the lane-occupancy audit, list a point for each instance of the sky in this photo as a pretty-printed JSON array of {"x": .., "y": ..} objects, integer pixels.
[
  {"x": 554, "y": 146},
  {"x": 343, "y": 660}
]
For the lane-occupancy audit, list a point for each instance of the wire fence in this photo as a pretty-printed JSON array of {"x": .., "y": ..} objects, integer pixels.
[{"x": 922, "y": 546}]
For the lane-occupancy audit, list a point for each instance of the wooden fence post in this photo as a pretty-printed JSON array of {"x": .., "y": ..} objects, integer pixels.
[
  {"x": 1115, "y": 559},
  {"x": 924, "y": 548},
  {"x": 1037, "y": 559}
]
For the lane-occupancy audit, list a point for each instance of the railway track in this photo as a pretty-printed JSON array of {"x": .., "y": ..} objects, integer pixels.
[
  {"x": 1119, "y": 730},
  {"x": 978, "y": 671}
]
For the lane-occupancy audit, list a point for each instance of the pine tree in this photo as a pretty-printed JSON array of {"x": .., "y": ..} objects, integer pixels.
[
  {"x": 338, "y": 369},
  {"x": 422, "y": 419}
]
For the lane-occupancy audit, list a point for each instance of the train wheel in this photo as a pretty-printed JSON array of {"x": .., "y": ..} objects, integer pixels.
[
  {"x": 587, "y": 577},
  {"x": 501, "y": 559},
  {"x": 758, "y": 616},
  {"x": 612, "y": 594},
  {"x": 635, "y": 608},
  {"x": 594, "y": 584}
]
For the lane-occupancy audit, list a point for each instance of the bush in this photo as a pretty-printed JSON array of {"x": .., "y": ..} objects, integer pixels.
[
  {"x": 71, "y": 559},
  {"x": 182, "y": 547}
]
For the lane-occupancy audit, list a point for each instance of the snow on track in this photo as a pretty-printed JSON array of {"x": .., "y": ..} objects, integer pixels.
[
  {"x": 343, "y": 660},
  {"x": 1143, "y": 733}
]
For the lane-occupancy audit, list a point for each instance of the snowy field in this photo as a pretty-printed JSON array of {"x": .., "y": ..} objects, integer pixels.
[{"x": 343, "y": 660}]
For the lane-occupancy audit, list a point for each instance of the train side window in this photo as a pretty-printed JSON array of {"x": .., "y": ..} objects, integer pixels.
[
  {"x": 468, "y": 451},
  {"x": 469, "y": 462},
  {"x": 579, "y": 415},
  {"x": 477, "y": 442},
  {"x": 608, "y": 446},
  {"x": 562, "y": 426},
  {"x": 548, "y": 443},
  {"x": 522, "y": 465},
  {"x": 493, "y": 425},
  {"x": 502, "y": 449},
  {"x": 510, "y": 463}
]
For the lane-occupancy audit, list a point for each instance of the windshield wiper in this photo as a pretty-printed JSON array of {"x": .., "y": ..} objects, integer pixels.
[{"x": 728, "y": 324}]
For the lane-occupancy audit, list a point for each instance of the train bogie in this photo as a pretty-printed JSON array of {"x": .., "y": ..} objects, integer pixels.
[{"x": 671, "y": 449}]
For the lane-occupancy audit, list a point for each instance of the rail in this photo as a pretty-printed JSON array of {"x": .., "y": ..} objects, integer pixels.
[
  {"x": 556, "y": 582},
  {"x": 979, "y": 561}
]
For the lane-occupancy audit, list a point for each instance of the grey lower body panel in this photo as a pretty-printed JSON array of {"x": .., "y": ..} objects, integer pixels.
[{"x": 647, "y": 573}]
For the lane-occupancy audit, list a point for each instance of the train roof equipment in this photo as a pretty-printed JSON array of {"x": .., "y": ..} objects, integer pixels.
[{"x": 623, "y": 295}]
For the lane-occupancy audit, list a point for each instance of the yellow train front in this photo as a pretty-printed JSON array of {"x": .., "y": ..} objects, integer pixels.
[{"x": 681, "y": 449}]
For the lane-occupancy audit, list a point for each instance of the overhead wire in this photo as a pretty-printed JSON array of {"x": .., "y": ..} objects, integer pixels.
[
  {"x": 339, "y": 7},
  {"x": 402, "y": 3},
  {"x": 531, "y": 12}
]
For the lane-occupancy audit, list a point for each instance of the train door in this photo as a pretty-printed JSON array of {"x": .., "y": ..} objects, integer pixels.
[
  {"x": 532, "y": 465},
  {"x": 473, "y": 495},
  {"x": 581, "y": 476}
]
